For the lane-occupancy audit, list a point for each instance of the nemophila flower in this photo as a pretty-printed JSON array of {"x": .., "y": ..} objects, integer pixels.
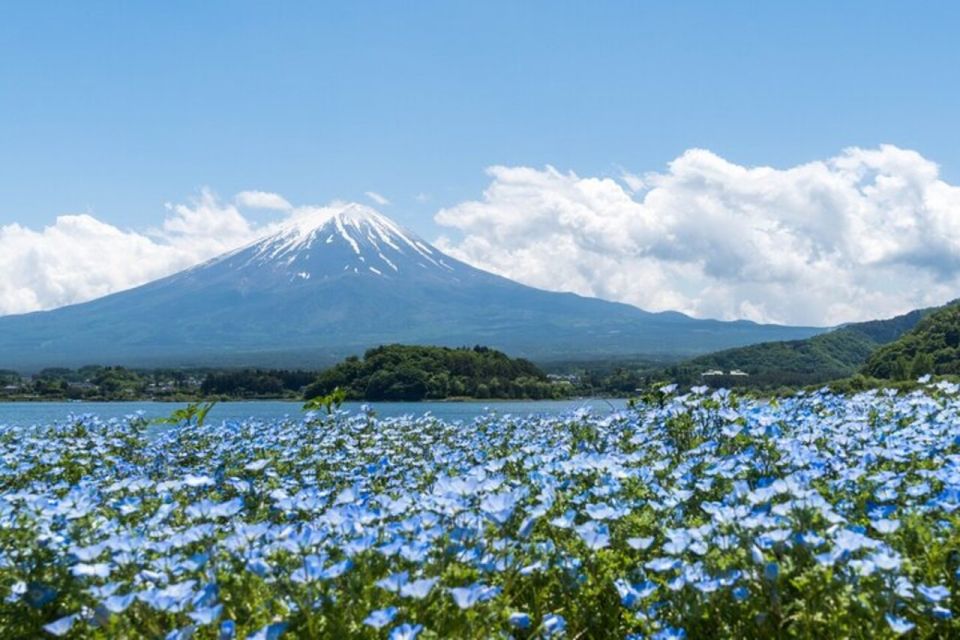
[
  {"x": 272, "y": 631},
  {"x": 604, "y": 511},
  {"x": 212, "y": 510},
  {"x": 596, "y": 535},
  {"x": 708, "y": 497},
  {"x": 256, "y": 465},
  {"x": 899, "y": 625},
  {"x": 640, "y": 544},
  {"x": 669, "y": 633},
  {"x": 526, "y": 527},
  {"x": 553, "y": 624},
  {"x": 62, "y": 626},
  {"x": 184, "y": 633},
  {"x": 418, "y": 589},
  {"x": 381, "y": 617},
  {"x": 207, "y": 615},
  {"x": 228, "y": 630},
  {"x": 97, "y": 570},
  {"x": 771, "y": 571},
  {"x": 632, "y": 595},
  {"x": 499, "y": 506},
  {"x": 196, "y": 481},
  {"x": 118, "y": 604},
  {"x": 903, "y": 587},
  {"x": 566, "y": 520},
  {"x": 918, "y": 490},
  {"x": 415, "y": 552},
  {"x": 941, "y": 614},
  {"x": 405, "y": 631},
  {"x": 885, "y": 526},
  {"x": 661, "y": 565},
  {"x": 467, "y": 597},
  {"x": 933, "y": 594},
  {"x": 519, "y": 620}
]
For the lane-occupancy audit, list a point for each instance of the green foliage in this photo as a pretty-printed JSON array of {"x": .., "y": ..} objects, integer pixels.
[
  {"x": 181, "y": 385},
  {"x": 410, "y": 373},
  {"x": 194, "y": 413},
  {"x": 254, "y": 383},
  {"x": 328, "y": 403},
  {"x": 932, "y": 347},
  {"x": 829, "y": 356}
]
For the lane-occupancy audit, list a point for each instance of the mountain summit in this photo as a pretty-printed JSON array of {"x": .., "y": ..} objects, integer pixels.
[
  {"x": 334, "y": 281},
  {"x": 327, "y": 242}
]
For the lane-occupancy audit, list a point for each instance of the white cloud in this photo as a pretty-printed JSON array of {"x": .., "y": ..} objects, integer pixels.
[
  {"x": 422, "y": 197},
  {"x": 868, "y": 233},
  {"x": 377, "y": 198},
  {"x": 262, "y": 200},
  {"x": 79, "y": 258}
]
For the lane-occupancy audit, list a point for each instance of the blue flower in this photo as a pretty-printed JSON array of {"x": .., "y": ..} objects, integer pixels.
[
  {"x": 62, "y": 626},
  {"x": 206, "y": 616},
  {"x": 228, "y": 630},
  {"x": 466, "y": 597},
  {"x": 394, "y": 581},
  {"x": 553, "y": 624},
  {"x": 499, "y": 506},
  {"x": 418, "y": 589},
  {"x": 669, "y": 633},
  {"x": 661, "y": 565},
  {"x": 519, "y": 620},
  {"x": 639, "y": 544},
  {"x": 771, "y": 571},
  {"x": 406, "y": 631},
  {"x": 933, "y": 594},
  {"x": 381, "y": 617},
  {"x": 899, "y": 625},
  {"x": 596, "y": 535}
]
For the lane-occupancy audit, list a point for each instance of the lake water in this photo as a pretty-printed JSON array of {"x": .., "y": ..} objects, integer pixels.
[{"x": 30, "y": 413}]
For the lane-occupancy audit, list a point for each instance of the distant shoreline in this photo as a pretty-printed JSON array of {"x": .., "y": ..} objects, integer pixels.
[{"x": 300, "y": 402}]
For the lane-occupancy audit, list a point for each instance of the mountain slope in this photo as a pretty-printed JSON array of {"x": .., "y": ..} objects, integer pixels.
[
  {"x": 334, "y": 283},
  {"x": 932, "y": 346},
  {"x": 828, "y": 356}
]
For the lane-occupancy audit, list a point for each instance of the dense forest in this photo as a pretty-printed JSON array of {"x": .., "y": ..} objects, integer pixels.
[
  {"x": 121, "y": 383},
  {"x": 404, "y": 372},
  {"x": 829, "y": 356},
  {"x": 856, "y": 356},
  {"x": 932, "y": 347}
]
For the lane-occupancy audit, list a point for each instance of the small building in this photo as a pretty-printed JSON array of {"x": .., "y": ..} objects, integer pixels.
[
  {"x": 711, "y": 372},
  {"x": 738, "y": 372}
]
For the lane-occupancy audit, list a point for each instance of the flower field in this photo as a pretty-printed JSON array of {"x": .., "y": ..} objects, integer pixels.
[{"x": 700, "y": 515}]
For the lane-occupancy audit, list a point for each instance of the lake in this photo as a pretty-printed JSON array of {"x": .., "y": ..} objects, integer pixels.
[{"x": 30, "y": 413}]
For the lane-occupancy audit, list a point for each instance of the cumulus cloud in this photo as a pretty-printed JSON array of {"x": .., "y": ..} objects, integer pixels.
[
  {"x": 262, "y": 200},
  {"x": 79, "y": 257},
  {"x": 865, "y": 234},
  {"x": 377, "y": 198}
]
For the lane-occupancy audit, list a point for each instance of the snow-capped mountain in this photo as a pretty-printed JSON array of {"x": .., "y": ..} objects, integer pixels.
[
  {"x": 333, "y": 282},
  {"x": 328, "y": 243}
]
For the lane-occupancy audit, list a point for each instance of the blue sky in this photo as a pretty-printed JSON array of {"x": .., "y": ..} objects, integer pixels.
[
  {"x": 116, "y": 108},
  {"x": 723, "y": 159}
]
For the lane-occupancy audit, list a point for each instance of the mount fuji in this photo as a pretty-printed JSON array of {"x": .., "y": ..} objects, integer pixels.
[{"x": 335, "y": 282}]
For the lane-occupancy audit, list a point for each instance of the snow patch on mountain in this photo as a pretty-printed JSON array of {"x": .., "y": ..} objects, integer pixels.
[{"x": 350, "y": 238}]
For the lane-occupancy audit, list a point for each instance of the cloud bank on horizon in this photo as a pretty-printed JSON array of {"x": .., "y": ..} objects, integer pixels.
[{"x": 868, "y": 233}]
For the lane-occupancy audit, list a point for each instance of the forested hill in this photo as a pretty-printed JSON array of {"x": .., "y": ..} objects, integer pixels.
[
  {"x": 932, "y": 346},
  {"x": 402, "y": 372},
  {"x": 828, "y": 356}
]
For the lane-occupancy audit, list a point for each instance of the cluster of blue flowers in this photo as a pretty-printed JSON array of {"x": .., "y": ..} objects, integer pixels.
[{"x": 697, "y": 515}]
